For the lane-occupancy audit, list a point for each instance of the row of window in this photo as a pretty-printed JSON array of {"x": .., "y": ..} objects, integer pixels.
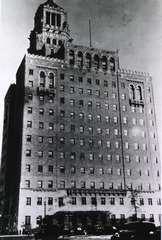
[
  {"x": 92, "y": 185},
  {"x": 93, "y": 200},
  {"x": 91, "y": 156},
  {"x": 92, "y": 170}
]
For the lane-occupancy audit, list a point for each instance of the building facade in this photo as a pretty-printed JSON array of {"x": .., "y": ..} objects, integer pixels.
[{"x": 85, "y": 134}]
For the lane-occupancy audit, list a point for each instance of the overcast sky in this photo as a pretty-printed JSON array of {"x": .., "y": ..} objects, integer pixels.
[{"x": 132, "y": 26}]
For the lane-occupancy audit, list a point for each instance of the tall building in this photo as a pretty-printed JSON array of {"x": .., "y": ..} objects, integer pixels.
[{"x": 79, "y": 134}]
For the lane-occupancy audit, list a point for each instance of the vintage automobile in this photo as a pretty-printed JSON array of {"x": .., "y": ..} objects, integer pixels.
[{"x": 139, "y": 230}]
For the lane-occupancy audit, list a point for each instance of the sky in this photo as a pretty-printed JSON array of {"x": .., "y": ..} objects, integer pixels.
[{"x": 132, "y": 27}]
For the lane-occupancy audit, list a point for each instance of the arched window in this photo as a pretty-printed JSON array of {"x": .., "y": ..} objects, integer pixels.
[
  {"x": 112, "y": 64},
  {"x": 59, "y": 42},
  {"x": 88, "y": 60},
  {"x": 71, "y": 57},
  {"x": 131, "y": 92},
  {"x": 52, "y": 80},
  {"x": 138, "y": 93},
  {"x": 80, "y": 59},
  {"x": 58, "y": 20},
  {"x": 104, "y": 63},
  {"x": 48, "y": 40},
  {"x": 54, "y": 41},
  {"x": 96, "y": 61},
  {"x": 42, "y": 79}
]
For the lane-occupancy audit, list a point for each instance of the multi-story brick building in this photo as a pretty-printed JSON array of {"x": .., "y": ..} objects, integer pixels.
[{"x": 80, "y": 134}]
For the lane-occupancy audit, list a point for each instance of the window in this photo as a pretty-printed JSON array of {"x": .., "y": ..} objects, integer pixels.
[
  {"x": 81, "y": 103},
  {"x": 62, "y": 140},
  {"x": 123, "y": 96},
  {"x": 29, "y": 110},
  {"x": 112, "y": 201},
  {"x": 97, "y": 93},
  {"x": 62, "y": 88},
  {"x": 83, "y": 201},
  {"x": 127, "y": 158},
  {"x": 28, "y": 201},
  {"x": 107, "y": 131},
  {"x": 98, "y": 105},
  {"x": 106, "y": 94},
  {"x": 92, "y": 185},
  {"x": 141, "y": 200},
  {"x": 27, "y": 220},
  {"x": 98, "y": 118},
  {"x": 82, "y": 170},
  {"x": 144, "y": 146},
  {"x": 51, "y": 98},
  {"x": 72, "y": 141},
  {"x": 40, "y": 153},
  {"x": 82, "y": 156},
  {"x": 114, "y": 107},
  {"x": 93, "y": 201},
  {"x": 72, "y": 128},
  {"x": 73, "y": 184},
  {"x": 42, "y": 79},
  {"x": 62, "y": 76},
  {"x": 72, "y": 155},
  {"x": 101, "y": 171},
  {"x": 110, "y": 171},
  {"x": 106, "y": 106},
  {"x": 122, "y": 85},
  {"x": 89, "y": 104},
  {"x": 50, "y": 168},
  {"x": 91, "y": 156},
  {"x": 124, "y": 108},
  {"x": 27, "y": 183},
  {"x": 39, "y": 201},
  {"x": 30, "y": 83},
  {"x": 108, "y": 144},
  {"x": 89, "y": 80},
  {"x": 97, "y": 82},
  {"x": 115, "y": 119},
  {"x": 30, "y": 96},
  {"x": 119, "y": 172},
  {"x": 62, "y": 169},
  {"x": 50, "y": 201},
  {"x": 103, "y": 201},
  {"x": 28, "y": 153},
  {"x": 113, "y": 84},
  {"x": 28, "y": 167},
  {"x": 62, "y": 184},
  {"x": 141, "y": 109},
  {"x": 126, "y": 145},
  {"x": 149, "y": 201},
  {"x": 41, "y": 98},
  {"x": 124, "y": 120},
  {"x": 50, "y": 126},
  {"x": 136, "y": 146},
  {"x": 62, "y": 100},
  {"x": 80, "y": 90},
  {"x": 81, "y": 79},
  {"x": 71, "y": 89},
  {"x": 81, "y": 129},
  {"x": 60, "y": 201},
  {"x": 105, "y": 83},
  {"x": 89, "y": 92},
  {"x": 116, "y": 144},
  {"x": 83, "y": 185},
  {"x": 28, "y": 138},
  {"x": 72, "y": 115},
  {"x": 71, "y": 78},
  {"x": 40, "y": 168},
  {"x": 73, "y": 169},
  {"x": 125, "y": 131},
  {"x": 40, "y": 139},
  {"x": 31, "y": 71},
  {"x": 91, "y": 170},
  {"x": 110, "y": 185},
  {"x": 117, "y": 158},
  {"x": 50, "y": 154},
  {"x": 121, "y": 201},
  {"x": 133, "y": 109},
  {"x": 73, "y": 200},
  {"x": 50, "y": 184},
  {"x": 50, "y": 140},
  {"x": 101, "y": 185},
  {"x": 72, "y": 102},
  {"x": 129, "y": 172},
  {"x": 109, "y": 157},
  {"x": 40, "y": 184},
  {"x": 99, "y": 130},
  {"x": 81, "y": 142},
  {"x": 114, "y": 95}
]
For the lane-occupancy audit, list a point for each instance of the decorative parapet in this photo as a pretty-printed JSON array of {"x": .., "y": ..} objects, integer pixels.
[{"x": 134, "y": 75}]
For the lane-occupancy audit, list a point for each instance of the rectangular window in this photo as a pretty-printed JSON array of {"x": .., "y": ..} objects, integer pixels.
[
  {"x": 149, "y": 201},
  {"x": 51, "y": 112},
  {"x": 50, "y": 127},
  {"x": 121, "y": 201},
  {"x": 110, "y": 185},
  {"x": 28, "y": 138},
  {"x": 83, "y": 201},
  {"x": 72, "y": 102},
  {"x": 83, "y": 184},
  {"x": 50, "y": 201},
  {"x": 89, "y": 104},
  {"x": 62, "y": 100},
  {"x": 81, "y": 103},
  {"x": 28, "y": 201},
  {"x": 30, "y": 97},
  {"x": 60, "y": 201},
  {"x": 31, "y": 71},
  {"x": 82, "y": 170},
  {"x": 50, "y": 184},
  {"x": 28, "y": 220},
  {"x": 71, "y": 78},
  {"x": 40, "y": 184},
  {"x": 41, "y": 125},
  {"x": 62, "y": 88},
  {"x": 40, "y": 168},
  {"x": 103, "y": 201},
  {"x": 71, "y": 89},
  {"x": 40, "y": 139},
  {"x": 28, "y": 153},
  {"x": 28, "y": 167},
  {"x": 89, "y": 80},
  {"x": 113, "y": 84},
  {"x": 50, "y": 168},
  {"x": 39, "y": 201},
  {"x": 41, "y": 111},
  {"x": 89, "y": 91},
  {"x": 50, "y": 140},
  {"x": 94, "y": 201},
  {"x": 62, "y": 184},
  {"x": 62, "y": 76},
  {"x": 73, "y": 184},
  {"x": 80, "y": 90},
  {"x": 30, "y": 83},
  {"x": 27, "y": 183},
  {"x": 105, "y": 83},
  {"x": 40, "y": 153},
  {"x": 81, "y": 79},
  {"x": 112, "y": 201},
  {"x": 73, "y": 200}
]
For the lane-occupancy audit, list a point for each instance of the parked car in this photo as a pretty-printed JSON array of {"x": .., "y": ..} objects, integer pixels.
[{"x": 136, "y": 231}]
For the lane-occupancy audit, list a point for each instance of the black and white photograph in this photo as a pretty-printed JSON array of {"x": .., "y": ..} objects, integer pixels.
[{"x": 80, "y": 119}]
